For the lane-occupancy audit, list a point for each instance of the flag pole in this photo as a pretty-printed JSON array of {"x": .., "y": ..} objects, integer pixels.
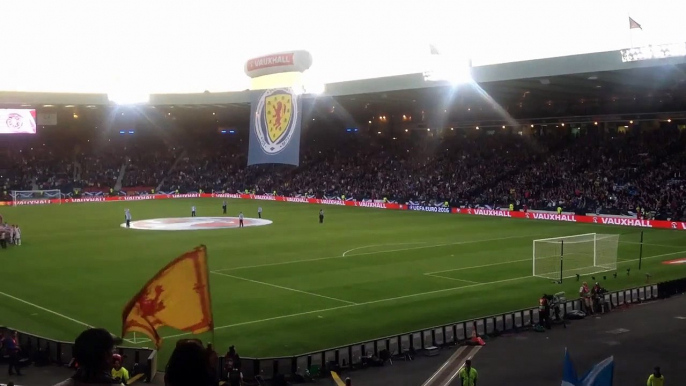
[
  {"x": 631, "y": 32},
  {"x": 209, "y": 291}
]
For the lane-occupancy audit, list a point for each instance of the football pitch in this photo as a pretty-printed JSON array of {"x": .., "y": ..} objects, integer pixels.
[{"x": 295, "y": 285}]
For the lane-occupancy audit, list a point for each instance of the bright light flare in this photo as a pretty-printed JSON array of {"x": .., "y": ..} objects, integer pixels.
[{"x": 129, "y": 97}]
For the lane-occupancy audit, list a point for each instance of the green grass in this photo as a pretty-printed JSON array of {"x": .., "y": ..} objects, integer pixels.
[{"x": 78, "y": 262}]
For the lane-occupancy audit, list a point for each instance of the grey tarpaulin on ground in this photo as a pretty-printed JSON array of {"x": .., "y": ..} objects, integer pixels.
[{"x": 275, "y": 127}]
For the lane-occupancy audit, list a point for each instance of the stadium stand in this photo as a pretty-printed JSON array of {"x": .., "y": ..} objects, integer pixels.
[{"x": 608, "y": 172}]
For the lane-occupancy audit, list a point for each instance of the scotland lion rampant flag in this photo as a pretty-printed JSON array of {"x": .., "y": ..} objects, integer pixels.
[{"x": 275, "y": 127}]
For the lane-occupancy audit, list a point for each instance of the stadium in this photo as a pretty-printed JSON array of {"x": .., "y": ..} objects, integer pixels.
[{"x": 341, "y": 217}]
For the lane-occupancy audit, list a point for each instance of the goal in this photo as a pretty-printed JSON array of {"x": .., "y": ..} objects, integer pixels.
[
  {"x": 564, "y": 257},
  {"x": 26, "y": 195}
]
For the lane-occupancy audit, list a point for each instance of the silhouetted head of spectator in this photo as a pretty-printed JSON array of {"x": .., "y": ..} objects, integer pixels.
[
  {"x": 93, "y": 350},
  {"x": 188, "y": 365}
]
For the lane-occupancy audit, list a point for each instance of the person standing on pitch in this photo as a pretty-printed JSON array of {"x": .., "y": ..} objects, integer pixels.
[
  {"x": 17, "y": 235},
  {"x": 127, "y": 216},
  {"x": 193, "y": 211},
  {"x": 224, "y": 206},
  {"x": 468, "y": 374},
  {"x": 240, "y": 220},
  {"x": 321, "y": 216},
  {"x": 259, "y": 211}
]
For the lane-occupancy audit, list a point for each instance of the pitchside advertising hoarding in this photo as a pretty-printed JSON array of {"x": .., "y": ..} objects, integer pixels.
[
  {"x": 603, "y": 220},
  {"x": 17, "y": 121}
]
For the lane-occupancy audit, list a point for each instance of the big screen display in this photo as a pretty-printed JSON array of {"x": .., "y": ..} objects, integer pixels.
[{"x": 17, "y": 121}]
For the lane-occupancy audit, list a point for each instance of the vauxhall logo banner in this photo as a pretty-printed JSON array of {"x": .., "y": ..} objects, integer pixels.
[{"x": 275, "y": 127}]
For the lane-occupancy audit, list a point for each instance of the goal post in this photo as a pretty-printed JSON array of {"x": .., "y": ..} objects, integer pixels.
[
  {"x": 25, "y": 195},
  {"x": 563, "y": 257}
]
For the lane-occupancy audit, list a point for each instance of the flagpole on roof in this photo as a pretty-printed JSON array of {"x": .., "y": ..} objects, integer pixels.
[{"x": 631, "y": 32}]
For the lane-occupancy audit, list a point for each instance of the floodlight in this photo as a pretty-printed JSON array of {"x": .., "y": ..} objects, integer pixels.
[
  {"x": 314, "y": 88},
  {"x": 298, "y": 90},
  {"x": 128, "y": 97},
  {"x": 454, "y": 70}
]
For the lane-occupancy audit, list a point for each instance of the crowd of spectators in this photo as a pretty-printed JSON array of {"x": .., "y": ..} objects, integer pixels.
[
  {"x": 190, "y": 364},
  {"x": 592, "y": 170}
]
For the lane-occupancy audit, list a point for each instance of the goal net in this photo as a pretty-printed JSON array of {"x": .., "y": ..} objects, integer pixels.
[
  {"x": 27, "y": 195},
  {"x": 563, "y": 257}
]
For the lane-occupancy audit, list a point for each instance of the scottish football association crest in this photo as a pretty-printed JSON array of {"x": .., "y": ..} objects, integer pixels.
[{"x": 275, "y": 119}]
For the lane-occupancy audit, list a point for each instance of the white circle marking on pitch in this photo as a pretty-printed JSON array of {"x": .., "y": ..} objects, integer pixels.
[{"x": 194, "y": 223}]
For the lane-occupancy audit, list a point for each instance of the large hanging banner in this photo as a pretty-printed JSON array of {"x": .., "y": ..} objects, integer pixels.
[{"x": 275, "y": 127}]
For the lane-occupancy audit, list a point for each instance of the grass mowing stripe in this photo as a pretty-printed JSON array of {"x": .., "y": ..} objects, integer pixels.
[
  {"x": 479, "y": 266},
  {"x": 379, "y": 245},
  {"x": 619, "y": 261},
  {"x": 653, "y": 257},
  {"x": 372, "y": 253},
  {"x": 46, "y": 310},
  {"x": 651, "y": 245},
  {"x": 395, "y": 298},
  {"x": 359, "y": 304},
  {"x": 283, "y": 288},
  {"x": 451, "y": 278}
]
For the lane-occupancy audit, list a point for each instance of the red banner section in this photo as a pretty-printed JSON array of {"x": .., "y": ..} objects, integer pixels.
[
  {"x": 367, "y": 204},
  {"x": 624, "y": 221}
]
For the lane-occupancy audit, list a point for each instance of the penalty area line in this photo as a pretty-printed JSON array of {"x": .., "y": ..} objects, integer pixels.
[
  {"x": 283, "y": 288},
  {"x": 478, "y": 266},
  {"x": 451, "y": 278},
  {"x": 358, "y": 304},
  {"x": 380, "y": 245},
  {"x": 374, "y": 253}
]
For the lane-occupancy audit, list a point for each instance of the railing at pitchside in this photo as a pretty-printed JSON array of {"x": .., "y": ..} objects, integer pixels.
[
  {"x": 351, "y": 355},
  {"x": 450, "y": 334},
  {"x": 60, "y": 352}
]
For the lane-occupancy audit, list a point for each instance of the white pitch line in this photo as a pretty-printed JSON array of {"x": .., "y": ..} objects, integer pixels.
[
  {"x": 451, "y": 278},
  {"x": 652, "y": 245},
  {"x": 652, "y": 257},
  {"x": 359, "y": 304},
  {"x": 283, "y": 288},
  {"x": 379, "y": 245},
  {"x": 46, "y": 310},
  {"x": 389, "y": 299},
  {"x": 138, "y": 341},
  {"x": 479, "y": 266},
  {"x": 372, "y": 253}
]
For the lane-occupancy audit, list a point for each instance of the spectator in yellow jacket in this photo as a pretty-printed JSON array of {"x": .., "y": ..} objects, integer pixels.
[
  {"x": 119, "y": 373},
  {"x": 468, "y": 374},
  {"x": 656, "y": 378}
]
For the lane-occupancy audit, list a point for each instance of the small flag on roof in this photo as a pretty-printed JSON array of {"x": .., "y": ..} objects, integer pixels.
[{"x": 633, "y": 24}]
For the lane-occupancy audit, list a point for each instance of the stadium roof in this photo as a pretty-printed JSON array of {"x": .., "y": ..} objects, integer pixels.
[{"x": 588, "y": 84}]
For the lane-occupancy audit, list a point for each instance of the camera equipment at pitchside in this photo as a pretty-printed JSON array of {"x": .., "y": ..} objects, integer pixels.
[{"x": 550, "y": 311}]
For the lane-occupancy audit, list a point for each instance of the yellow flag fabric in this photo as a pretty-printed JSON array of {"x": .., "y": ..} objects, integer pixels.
[
  {"x": 337, "y": 379},
  {"x": 178, "y": 296}
]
